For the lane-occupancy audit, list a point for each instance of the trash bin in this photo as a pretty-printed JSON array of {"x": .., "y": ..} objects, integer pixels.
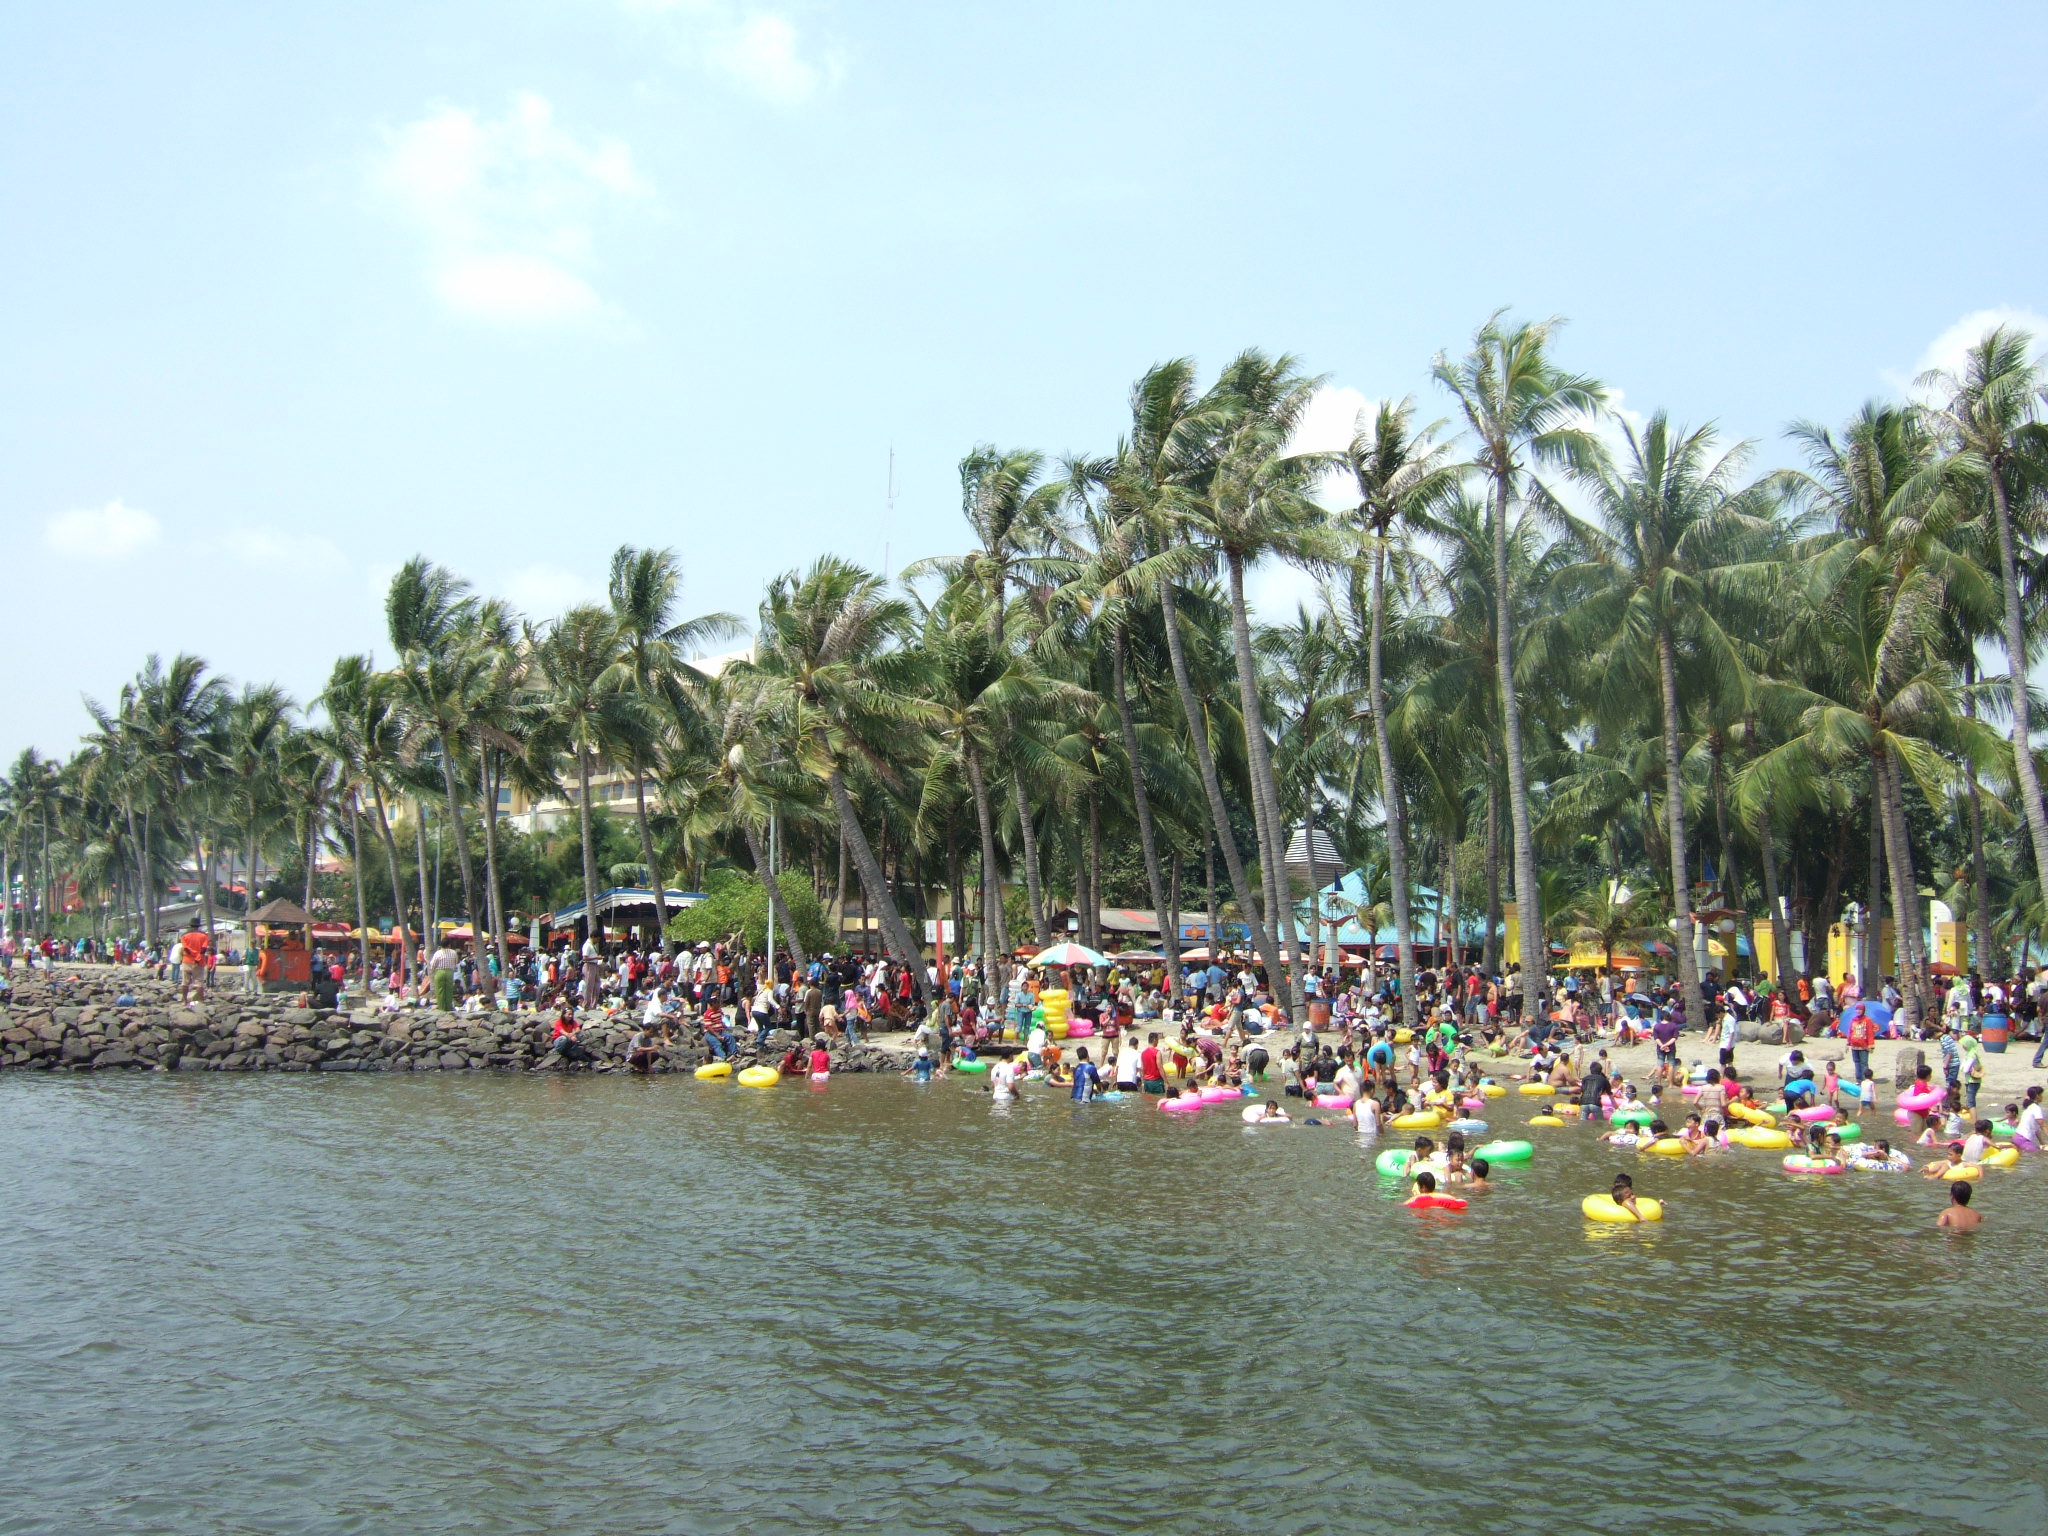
[{"x": 1997, "y": 1030}]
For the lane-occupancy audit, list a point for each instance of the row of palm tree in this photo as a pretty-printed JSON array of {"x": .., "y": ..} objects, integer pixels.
[{"x": 1557, "y": 656}]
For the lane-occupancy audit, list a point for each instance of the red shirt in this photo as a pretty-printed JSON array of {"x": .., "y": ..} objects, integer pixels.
[
  {"x": 821, "y": 1061},
  {"x": 1148, "y": 1064},
  {"x": 565, "y": 1026},
  {"x": 1862, "y": 1033}
]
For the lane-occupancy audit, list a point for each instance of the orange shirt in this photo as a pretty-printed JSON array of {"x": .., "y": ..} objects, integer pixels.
[{"x": 194, "y": 945}]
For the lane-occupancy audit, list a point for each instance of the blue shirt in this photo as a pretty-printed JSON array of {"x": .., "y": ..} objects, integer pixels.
[{"x": 1087, "y": 1081}]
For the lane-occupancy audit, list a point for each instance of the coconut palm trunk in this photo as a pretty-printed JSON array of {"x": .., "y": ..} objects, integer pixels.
[
  {"x": 355, "y": 854},
  {"x": 654, "y": 875},
  {"x": 791, "y": 941},
  {"x": 2013, "y": 633},
  {"x": 1212, "y": 791},
  {"x": 1528, "y": 904},
  {"x": 1265, "y": 792},
  {"x": 874, "y": 887},
  {"x": 1141, "y": 804},
  {"x": 404, "y": 957},
  {"x": 995, "y": 926},
  {"x": 487, "y": 790},
  {"x": 1674, "y": 819},
  {"x": 1033, "y": 888},
  {"x": 462, "y": 862},
  {"x": 419, "y": 834},
  {"x": 1390, "y": 791},
  {"x": 1910, "y": 946},
  {"x": 1781, "y": 927}
]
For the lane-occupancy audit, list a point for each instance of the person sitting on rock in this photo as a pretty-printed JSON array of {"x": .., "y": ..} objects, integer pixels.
[{"x": 564, "y": 1047}]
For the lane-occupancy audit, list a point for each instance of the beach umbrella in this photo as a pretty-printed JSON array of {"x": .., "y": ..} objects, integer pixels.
[
  {"x": 1641, "y": 1000},
  {"x": 1068, "y": 954}
]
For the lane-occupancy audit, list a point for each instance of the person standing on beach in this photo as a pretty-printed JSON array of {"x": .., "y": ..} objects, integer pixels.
[{"x": 192, "y": 971}]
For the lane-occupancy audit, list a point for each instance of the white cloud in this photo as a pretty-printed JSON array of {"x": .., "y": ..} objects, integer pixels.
[
  {"x": 542, "y": 591},
  {"x": 112, "y": 532},
  {"x": 761, "y": 51},
  {"x": 251, "y": 545},
  {"x": 504, "y": 206},
  {"x": 1946, "y": 351}
]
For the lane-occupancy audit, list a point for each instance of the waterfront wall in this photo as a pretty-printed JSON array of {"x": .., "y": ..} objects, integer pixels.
[{"x": 70, "y": 1020}]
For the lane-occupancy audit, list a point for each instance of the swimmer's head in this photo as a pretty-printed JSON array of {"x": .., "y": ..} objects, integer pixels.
[
  {"x": 1426, "y": 1181},
  {"x": 1479, "y": 1167},
  {"x": 1959, "y": 1192}
]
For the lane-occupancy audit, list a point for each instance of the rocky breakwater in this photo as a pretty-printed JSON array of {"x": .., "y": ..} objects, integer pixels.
[{"x": 98, "y": 1018}]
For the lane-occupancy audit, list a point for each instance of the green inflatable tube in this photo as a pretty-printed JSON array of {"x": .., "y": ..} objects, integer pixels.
[
  {"x": 970, "y": 1066},
  {"x": 1506, "y": 1152},
  {"x": 1631, "y": 1117},
  {"x": 1394, "y": 1161},
  {"x": 1849, "y": 1130}
]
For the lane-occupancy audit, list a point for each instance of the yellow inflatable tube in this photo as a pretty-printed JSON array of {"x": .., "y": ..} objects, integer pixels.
[
  {"x": 1603, "y": 1208},
  {"x": 715, "y": 1069},
  {"x": 760, "y": 1077},
  {"x": 1666, "y": 1146},
  {"x": 1545, "y": 1120},
  {"x": 1967, "y": 1173},
  {"x": 1760, "y": 1139},
  {"x": 2002, "y": 1157},
  {"x": 1493, "y": 1090},
  {"x": 1428, "y": 1120},
  {"x": 1538, "y": 1091},
  {"x": 1754, "y": 1116}
]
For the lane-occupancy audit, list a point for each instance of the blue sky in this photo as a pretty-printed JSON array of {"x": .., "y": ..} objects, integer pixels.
[{"x": 294, "y": 292}]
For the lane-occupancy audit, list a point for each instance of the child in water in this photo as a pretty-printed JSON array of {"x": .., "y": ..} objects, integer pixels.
[
  {"x": 1623, "y": 1194},
  {"x": 1959, "y": 1215}
]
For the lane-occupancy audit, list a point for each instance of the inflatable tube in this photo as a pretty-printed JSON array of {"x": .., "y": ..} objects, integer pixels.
[
  {"x": 1469, "y": 1127},
  {"x": 1218, "y": 1093},
  {"x": 2004, "y": 1130},
  {"x": 1898, "y": 1162},
  {"x": 1493, "y": 1090},
  {"x": 1394, "y": 1161},
  {"x": 1848, "y": 1130},
  {"x": 1473, "y": 1102},
  {"x": 1506, "y": 1151},
  {"x": 1631, "y": 1117},
  {"x": 1603, "y": 1208},
  {"x": 1754, "y": 1116},
  {"x": 1333, "y": 1101},
  {"x": 1693, "y": 1090},
  {"x": 1081, "y": 1029},
  {"x": 760, "y": 1077},
  {"x": 976, "y": 1065},
  {"x": 2001, "y": 1157},
  {"x": 1252, "y": 1114},
  {"x": 1760, "y": 1138},
  {"x": 1404, "y": 1037},
  {"x": 1664, "y": 1146},
  {"x": 1968, "y": 1173},
  {"x": 1434, "y": 1203},
  {"x": 715, "y": 1069},
  {"x": 1545, "y": 1120},
  {"x": 1799, "y": 1163},
  {"x": 1537, "y": 1091},
  {"x": 1182, "y": 1106},
  {"x": 1900, "y": 1117},
  {"x": 1814, "y": 1115},
  {"x": 1914, "y": 1103},
  {"x": 1427, "y": 1120}
]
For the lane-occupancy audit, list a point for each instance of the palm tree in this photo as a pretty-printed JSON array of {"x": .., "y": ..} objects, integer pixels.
[
  {"x": 1303, "y": 675},
  {"x": 1615, "y": 920},
  {"x": 174, "y": 714},
  {"x": 840, "y": 693},
  {"x": 1401, "y": 475},
  {"x": 1990, "y": 411},
  {"x": 1015, "y": 520},
  {"x": 595, "y": 713},
  {"x": 1523, "y": 410},
  {"x": 426, "y": 611},
  {"x": 256, "y": 724},
  {"x": 1673, "y": 543},
  {"x": 644, "y": 587},
  {"x": 1259, "y": 501}
]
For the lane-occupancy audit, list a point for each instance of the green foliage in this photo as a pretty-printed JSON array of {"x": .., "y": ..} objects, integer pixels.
[{"x": 738, "y": 902}]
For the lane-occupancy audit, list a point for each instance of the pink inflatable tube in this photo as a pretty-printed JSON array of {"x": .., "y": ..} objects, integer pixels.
[
  {"x": 1814, "y": 1114},
  {"x": 1218, "y": 1094},
  {"x": 1916, "y": 1103},
  {"x": 1333, "y": 1101},
  {"x": 1181, "y": 1106},
  {"x": 1476, "y": 1103},
  {"x": 1693, "y": 1090},
  {"x": 1081, "y": 1029}
]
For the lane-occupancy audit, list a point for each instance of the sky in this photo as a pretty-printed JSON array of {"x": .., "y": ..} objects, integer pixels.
[{"x": 292, "y": 293}]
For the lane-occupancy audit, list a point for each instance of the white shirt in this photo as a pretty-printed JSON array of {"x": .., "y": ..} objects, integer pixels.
[
  {"x": 1368, "y": 1113},
  {"x": 1127, "y": 1061},
  {"x": 2030, "y": 1123},
  {"x": 1002, "y": 1078}
]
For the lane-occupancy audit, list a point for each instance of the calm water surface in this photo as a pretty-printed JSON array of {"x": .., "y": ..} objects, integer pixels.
[{"x": 508, "y": 1305}]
